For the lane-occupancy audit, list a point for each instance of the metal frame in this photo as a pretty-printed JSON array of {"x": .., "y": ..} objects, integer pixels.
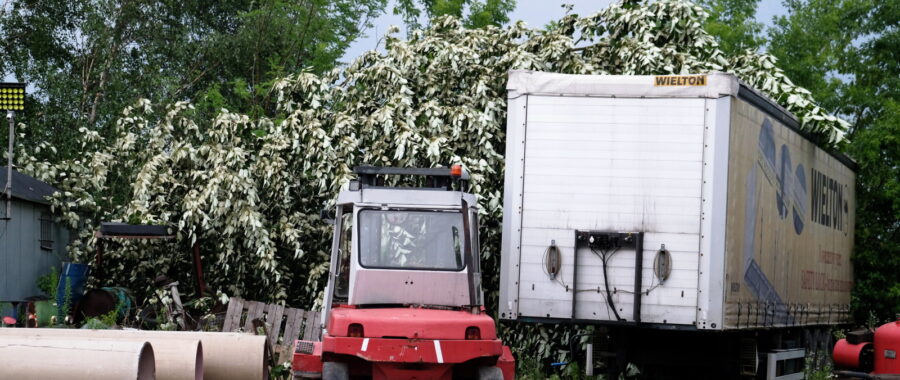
[
  {"x": 772, "y": 359},
  {"x": 359, "y": 241}
]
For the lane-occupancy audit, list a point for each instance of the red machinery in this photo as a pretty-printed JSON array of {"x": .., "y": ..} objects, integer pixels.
[
  {"x": 404, "y": 298},
  {"x": 868, "y": 355}
]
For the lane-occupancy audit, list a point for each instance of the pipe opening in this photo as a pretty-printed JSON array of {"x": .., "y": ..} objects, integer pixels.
[{"x": 146, "y": 363}]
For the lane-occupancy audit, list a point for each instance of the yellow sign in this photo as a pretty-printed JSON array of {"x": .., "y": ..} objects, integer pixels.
[{"x": 680, "y": 80}]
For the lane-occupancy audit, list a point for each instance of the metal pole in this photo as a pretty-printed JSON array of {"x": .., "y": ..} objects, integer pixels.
[
  {"x": 589, "y": 360},
  {"x": 469, "y": 257},
  {"x": 638, "y": 275},
  {"x": 11, "y": 117}
]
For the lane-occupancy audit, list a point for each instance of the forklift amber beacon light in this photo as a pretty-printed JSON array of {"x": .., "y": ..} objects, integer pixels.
[{"x": 456, "y": 171}]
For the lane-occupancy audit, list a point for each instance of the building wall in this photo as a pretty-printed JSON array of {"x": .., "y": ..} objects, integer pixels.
[{"x": 22, "y": 260}]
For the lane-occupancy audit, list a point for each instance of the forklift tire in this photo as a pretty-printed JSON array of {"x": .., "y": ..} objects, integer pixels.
[
  {"x": 490, "y": 373},
  {"x": 335, "y": 371}
]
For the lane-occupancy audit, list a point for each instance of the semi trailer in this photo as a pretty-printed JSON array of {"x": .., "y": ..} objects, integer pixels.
[
  {"x": 404, "y": 298},
  {"x": 687, "y": 217}
]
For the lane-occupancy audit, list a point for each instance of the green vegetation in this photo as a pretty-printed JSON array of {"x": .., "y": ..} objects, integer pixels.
[
  {"x": 734, "y": 24},
  {"x": 88, "y": 59},
  {"x": 48, "y": 283},
  {"x": 473, "y": 13}
]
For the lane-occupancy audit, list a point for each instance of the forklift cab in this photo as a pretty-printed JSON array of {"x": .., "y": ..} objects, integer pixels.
[
  {"x": 406, "y": 246},
  {"x": 404, "y": 298}
]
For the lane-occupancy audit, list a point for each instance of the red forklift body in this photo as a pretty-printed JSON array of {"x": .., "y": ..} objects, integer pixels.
[
  {"x": 405, "y": 343},
  {"x": 412, "y": 323},
  {"x": 404, "y": 298}
]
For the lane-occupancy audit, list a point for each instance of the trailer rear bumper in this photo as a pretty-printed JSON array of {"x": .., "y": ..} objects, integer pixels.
[{"x": 402, "y": 358}]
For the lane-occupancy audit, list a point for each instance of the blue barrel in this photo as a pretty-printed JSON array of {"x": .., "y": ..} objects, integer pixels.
[{"x": 71, "y": 284}]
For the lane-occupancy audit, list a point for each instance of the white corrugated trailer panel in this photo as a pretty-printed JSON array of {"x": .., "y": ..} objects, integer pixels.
[
  {"x": 613, "y": 154},
  {"x": 677, "y": 163},
  {"x": 611, "y": 164}
]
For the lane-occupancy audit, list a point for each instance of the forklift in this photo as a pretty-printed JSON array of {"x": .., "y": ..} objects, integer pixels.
[{"x": 404, "y": 298}]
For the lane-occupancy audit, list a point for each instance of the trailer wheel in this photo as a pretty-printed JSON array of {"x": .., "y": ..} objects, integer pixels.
[
  {"x": 490, "y": 373},
  {"x": 335, "y": 371}
]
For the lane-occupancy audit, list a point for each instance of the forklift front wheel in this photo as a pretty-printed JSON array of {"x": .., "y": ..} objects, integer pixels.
[
  {"x": 490, "y": 373},
  {"x": 335, "y": 371}
]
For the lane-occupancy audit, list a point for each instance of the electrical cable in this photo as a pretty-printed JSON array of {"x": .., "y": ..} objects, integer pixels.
[{"x": 604, "y": 257}]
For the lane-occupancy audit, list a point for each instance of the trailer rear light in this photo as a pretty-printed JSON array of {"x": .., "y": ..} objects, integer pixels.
[
  {"x": 355, "y": 330},
  {"x": 473, "y": 333}
]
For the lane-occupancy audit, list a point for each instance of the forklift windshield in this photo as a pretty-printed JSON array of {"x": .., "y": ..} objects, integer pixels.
[{"x": 405, "y": 239}]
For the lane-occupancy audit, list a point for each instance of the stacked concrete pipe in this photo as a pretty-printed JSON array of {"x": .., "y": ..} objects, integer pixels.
[
  {"x": 182, "y": 355},
  {"x": 24, "y": 357}
]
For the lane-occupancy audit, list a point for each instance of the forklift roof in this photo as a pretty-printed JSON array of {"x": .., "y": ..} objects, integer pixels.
[{"x": 408, "y": 197}]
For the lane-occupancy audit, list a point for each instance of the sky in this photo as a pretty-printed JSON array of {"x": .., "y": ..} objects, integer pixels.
[{"x": 536, "y": 13}]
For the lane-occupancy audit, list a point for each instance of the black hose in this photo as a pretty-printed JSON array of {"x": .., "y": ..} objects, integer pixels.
[
  {"x": 858, "y": 375},
  {"x": 604, "y": 256}
]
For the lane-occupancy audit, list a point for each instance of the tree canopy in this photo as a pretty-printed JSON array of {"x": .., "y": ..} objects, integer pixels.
[
  {"x": 473, "y": 13},
  {"x": 88, "y": 59}
]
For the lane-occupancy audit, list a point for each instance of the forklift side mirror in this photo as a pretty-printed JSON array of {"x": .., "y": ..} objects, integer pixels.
[{"x": 327, "y": 215}]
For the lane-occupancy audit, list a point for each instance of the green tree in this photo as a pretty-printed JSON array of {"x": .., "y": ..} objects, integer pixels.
[
  {"x": 811, "y": 40},
  {"x": 88, "y": 59},
  {"x": 847, "y": 53},
  {"x": 733, "y": 23},
  {"x": 872, "y": 98},
  {"x": 474, "y": 13}
]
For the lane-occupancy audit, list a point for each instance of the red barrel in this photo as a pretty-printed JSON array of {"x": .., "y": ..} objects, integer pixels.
[{"x": 887, "y": 344}]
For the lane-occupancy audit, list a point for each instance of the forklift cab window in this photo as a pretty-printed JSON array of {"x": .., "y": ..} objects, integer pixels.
[
  {"x": 342, "y": 281},
  {"x": 404, "y": 239}
]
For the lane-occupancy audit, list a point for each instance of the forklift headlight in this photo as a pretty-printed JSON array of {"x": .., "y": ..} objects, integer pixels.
[
  {"x": 473, "y": 333},
  {"x": 355, "y": 330}
]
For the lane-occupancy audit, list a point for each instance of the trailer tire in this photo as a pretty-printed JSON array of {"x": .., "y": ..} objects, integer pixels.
[
  {"x": 335, "y": 371},
  {"x": 490, "y": 373}
]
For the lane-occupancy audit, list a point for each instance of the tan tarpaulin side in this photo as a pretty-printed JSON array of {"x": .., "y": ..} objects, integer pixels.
[
  {"x": 176, "y": 359},
  {"x": 226, "y": 356},
  {"x": 88, "y": 359},
  {"x": 789, "y": 229}
]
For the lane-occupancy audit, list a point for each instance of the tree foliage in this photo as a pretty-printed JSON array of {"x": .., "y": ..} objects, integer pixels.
[
  {"x": 734, "y": 25},
  {"x": 848, "y": 54},
  {"x": 87, "y": 59},
  {"x": 250, "y": 188},
  {"x": 473, "y": 13}
]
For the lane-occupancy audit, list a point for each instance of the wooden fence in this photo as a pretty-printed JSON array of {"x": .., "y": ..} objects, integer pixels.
[{"x": 283, "y": 325}]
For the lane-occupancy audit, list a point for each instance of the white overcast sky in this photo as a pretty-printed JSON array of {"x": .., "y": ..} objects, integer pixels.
[{"x": 536, "y": 13}]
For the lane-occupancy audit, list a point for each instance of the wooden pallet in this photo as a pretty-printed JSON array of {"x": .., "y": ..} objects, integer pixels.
[{"x": 283, "y": 325}]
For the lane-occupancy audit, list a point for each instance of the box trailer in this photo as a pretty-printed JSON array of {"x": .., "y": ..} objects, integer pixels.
[{"x": 688, "y": 202}]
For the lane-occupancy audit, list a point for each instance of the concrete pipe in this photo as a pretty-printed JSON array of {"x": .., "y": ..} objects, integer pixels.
[
  {"x": 226, "y": 356},
  {"x": 176, "y": 359},
  {"x": 88, "y": 359}
]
